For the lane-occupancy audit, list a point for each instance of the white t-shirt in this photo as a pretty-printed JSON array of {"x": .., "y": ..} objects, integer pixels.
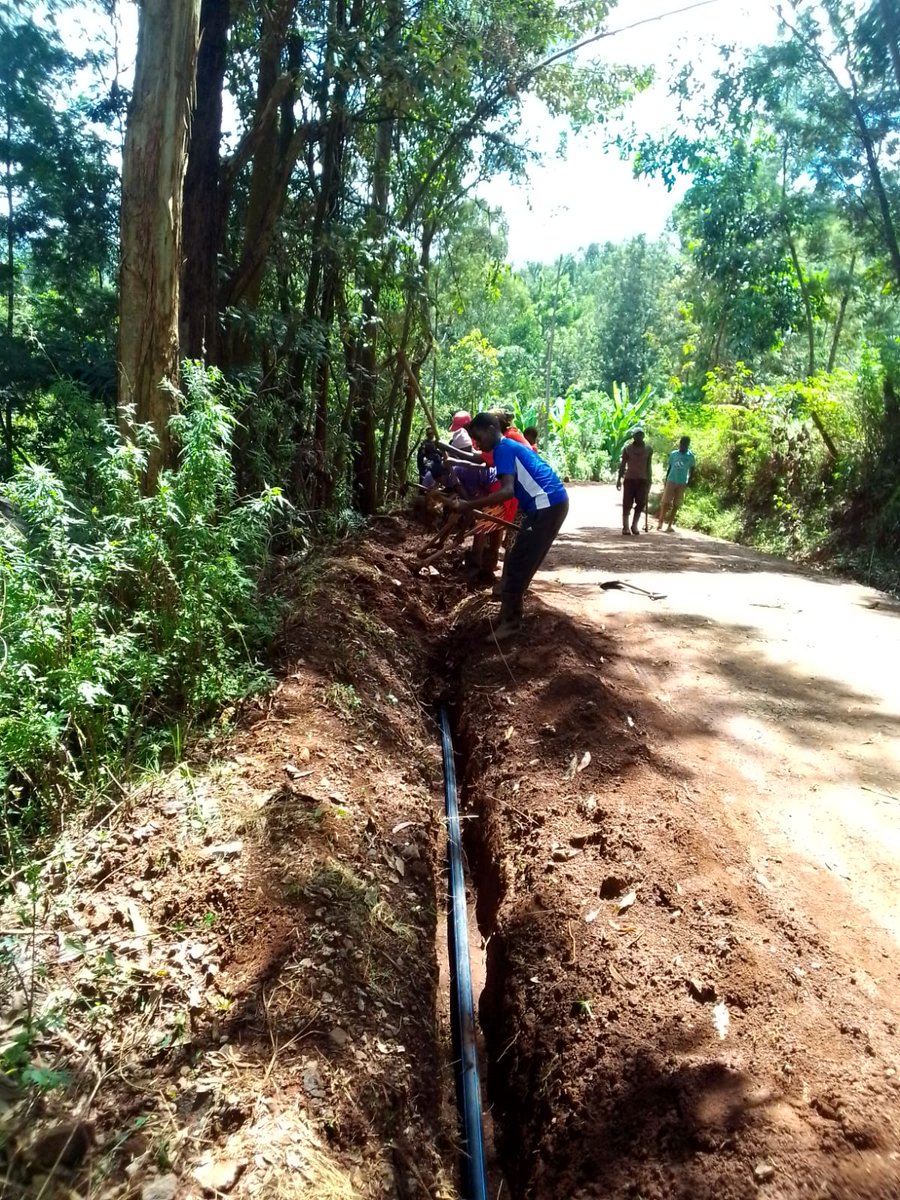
[{"x": 460, "y": 440}]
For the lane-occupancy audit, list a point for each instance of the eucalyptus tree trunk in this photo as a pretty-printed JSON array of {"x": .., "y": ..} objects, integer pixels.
[
  {"x": 365, "y": 467},
  {"x": 842, "y": 313},
  {"x": 153, "y": 170},
  {"x": 202, "y": 201},
  {"x": 365, "y": 475},
  {"x": 325, "y": 275},
  {"x": 401, "y": 448},
  {"x": 273, "y": 144}
]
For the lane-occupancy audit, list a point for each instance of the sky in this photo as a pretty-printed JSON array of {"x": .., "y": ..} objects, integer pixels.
[{"x": 591, "y": 194}]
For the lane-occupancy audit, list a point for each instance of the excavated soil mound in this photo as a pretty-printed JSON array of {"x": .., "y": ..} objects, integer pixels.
[{"x": 236, "y": 975}]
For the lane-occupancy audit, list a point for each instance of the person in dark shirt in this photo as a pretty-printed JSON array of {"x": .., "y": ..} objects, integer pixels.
[
  {"x": 635, "y": 466},
  {"x": 429, "y": 461}
]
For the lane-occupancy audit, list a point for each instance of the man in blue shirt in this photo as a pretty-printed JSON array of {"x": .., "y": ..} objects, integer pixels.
[
  {"x": 679, "y": 474},
  {"x": 544, "y": 503}
]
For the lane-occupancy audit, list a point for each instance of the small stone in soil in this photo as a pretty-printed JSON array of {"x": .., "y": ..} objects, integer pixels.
[
  {"x": 338, "y": 1036},
  {"x": 163, "y": 1188},
  {"x": 224, "y": 850},
  {"x": 99, "y": 917},
  {"x": 763, "y": 1172},
  {"x": 219, "y": 1176},
  {"x": 313, "y": 1083}
]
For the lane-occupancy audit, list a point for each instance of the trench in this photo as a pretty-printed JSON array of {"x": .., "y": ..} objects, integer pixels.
[{"x": 488, "y": 960}]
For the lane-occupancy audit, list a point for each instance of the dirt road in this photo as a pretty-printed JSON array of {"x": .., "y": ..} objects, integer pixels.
[
  {"x": 687, "y": 849},
  {"x": 781, "y": 693}
]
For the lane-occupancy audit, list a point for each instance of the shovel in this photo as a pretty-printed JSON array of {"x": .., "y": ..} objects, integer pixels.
[{"x": 620, "y": 585}]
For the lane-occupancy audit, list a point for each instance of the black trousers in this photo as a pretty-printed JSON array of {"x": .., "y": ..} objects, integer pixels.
[
  {"x": 535, "y": 537},
  {"x": 635, "y": 492}
]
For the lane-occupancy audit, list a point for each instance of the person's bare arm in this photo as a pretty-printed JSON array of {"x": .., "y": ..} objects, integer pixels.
[
  {"x": 621, "y": 472},
  {"x": 505, "y": 492},
  {"x": 474, "y": 457}
]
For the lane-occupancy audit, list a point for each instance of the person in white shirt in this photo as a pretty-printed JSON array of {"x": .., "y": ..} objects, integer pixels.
[{"x": 459, "y": 437}]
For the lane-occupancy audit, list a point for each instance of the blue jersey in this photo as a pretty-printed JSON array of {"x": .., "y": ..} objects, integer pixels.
[
  {"x": 536, "y": 484},
  {"x": 681, "y": 463}
]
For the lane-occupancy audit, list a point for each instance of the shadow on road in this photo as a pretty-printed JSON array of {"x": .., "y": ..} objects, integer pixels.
[
  {"x": 754, "y": 676},
  {"x": 606, "y": 550}
]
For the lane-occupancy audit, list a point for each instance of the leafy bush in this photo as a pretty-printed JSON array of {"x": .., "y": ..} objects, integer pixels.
[
  {"x": 137, "y": 612},
  {"x": 702, "y": 511},
  {"x": 765, "y": 472}
]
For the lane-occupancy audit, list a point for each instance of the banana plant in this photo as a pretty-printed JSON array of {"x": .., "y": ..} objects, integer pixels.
[
  {"x": 621, "y": 416},
  {"x": 561, "y": 415}
]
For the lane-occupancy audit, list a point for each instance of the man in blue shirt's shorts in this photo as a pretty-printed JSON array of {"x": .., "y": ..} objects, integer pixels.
[{"x": 544, "y": 503}]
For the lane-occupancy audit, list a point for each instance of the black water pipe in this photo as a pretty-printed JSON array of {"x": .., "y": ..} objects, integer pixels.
[{"x": 468, "y": 1084}]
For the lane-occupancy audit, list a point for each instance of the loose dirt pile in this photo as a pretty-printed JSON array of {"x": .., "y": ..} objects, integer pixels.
[{"x": 233, "y": 979}]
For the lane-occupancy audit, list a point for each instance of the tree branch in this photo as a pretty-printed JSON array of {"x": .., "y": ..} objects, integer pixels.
[{"x": 510, "y": 87}]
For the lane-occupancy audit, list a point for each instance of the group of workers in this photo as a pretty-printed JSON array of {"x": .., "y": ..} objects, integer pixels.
[{"x": 493, "y": 468}]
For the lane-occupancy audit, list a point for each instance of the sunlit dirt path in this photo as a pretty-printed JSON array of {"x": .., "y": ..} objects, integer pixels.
[{"x": 780, "y": 695}]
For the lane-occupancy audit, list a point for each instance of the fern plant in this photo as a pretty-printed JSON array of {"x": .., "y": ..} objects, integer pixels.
[{"x": 136, "y": 612}]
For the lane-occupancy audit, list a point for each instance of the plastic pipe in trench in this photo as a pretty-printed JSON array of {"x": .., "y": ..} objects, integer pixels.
[{"x": 462, "y": 1008}]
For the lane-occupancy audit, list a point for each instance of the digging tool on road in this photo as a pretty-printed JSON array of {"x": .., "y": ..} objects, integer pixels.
[{"x": 622, "y": 585}]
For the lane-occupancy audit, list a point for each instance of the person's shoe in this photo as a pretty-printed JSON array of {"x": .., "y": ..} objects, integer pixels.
[
  {"x": 626, "y": 532},
  {"x": 508, "y": 628},
  {"x": 635, "y": 531},
  {"x": 669, "y": 529}
]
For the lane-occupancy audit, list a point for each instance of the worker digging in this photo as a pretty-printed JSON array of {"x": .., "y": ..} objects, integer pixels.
[{"x": 504, "y": 474}]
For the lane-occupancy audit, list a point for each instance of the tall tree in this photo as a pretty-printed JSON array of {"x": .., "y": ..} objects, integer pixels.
[
  {"x": 153, "y": 172},
  {"x": 203, "y": 218}
]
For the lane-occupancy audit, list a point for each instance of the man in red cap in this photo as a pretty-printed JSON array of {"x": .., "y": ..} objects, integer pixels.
[
  {"x": 460, "y": 439},
  {"x": 544, "y": 501}
]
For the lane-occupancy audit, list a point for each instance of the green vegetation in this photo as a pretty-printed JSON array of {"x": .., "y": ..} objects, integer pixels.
[
  {"x": 127, "y": 619},
  {"x": 139, "y": 486},
  {"x": 765, "y": 325}
]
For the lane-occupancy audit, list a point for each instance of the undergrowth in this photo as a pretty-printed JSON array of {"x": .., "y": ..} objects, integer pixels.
[
  {"x": 127, "y": 620},
  {"x": 794, "y": 469}
]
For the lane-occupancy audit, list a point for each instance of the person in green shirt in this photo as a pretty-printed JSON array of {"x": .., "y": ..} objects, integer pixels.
[{"x": 679, "y": 473}]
